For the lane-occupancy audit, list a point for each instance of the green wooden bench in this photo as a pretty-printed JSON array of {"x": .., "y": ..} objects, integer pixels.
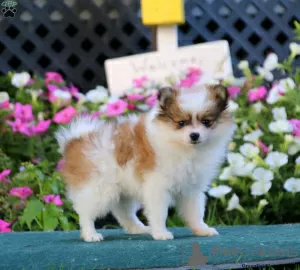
[{"x": 235, "y": 247}]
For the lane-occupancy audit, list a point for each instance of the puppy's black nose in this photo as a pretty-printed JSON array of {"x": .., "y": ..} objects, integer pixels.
[{"x": 194, "y": 136}]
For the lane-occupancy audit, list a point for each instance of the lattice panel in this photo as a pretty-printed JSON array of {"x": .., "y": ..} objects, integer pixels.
[{"x": 75, "y": 37}]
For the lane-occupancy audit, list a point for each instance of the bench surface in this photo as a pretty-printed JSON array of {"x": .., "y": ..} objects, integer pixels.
[{"x": 235, "y": 246}]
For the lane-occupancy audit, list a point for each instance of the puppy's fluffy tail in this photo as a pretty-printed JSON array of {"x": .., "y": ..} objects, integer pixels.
[{"x": 79, "y": 127}]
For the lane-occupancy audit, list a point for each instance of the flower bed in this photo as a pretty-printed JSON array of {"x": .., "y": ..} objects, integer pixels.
[{"x": 259, "y": 182}]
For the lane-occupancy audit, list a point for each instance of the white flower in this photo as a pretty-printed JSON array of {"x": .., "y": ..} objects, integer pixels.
[
  {"x": 243, "y": 65},
  {"x": 20, "y": 79},
  {"x": 260, "y": 187},
  {"x": 266, "y": 74},
  {"x": 35, "y": 93},
  {"x": 113, "y": 99},
  {"x": 239, "y": 166},
  {"x": 262, "y": 203},
  {"x": 245, "y": 170},
  {"x": 261, "y": 174},
  {"x": 97, "y": 95},
  {"x": 143, "y": 107},
  {"x": 271, "y": 62},
  {"x": 253, "y": 136},
  {"x": 280, "y": 126},
  {"x": 244, "y": 126},
  {"x": 258, "y": 106},
  {"x": 249, "y": 150},
  {"x": 288, "y": 138},
  {"x": 297, "y": 160},
  {"x": 274, "y": 94},
  {"x": 232, "y": 106},
  {"x": 103, "y": 108},
  {"x": 286, "y": 84},
  {"x": 295, "y": 48},
  {"x": 81, "y": 98},
  {"x": 62, "y": 95},
  {"x": 295, "y": 147},
  {"x": 219, "y": 191},
  {"x": 292, "y": 185},
  {"x": 276, "y": 159},
  {"x": 279, "y": 113},
  {"x": 226, "y": 173},
  {"x": 233, "y": 203},
  {"x": 3, "y": 97},
  {"x": 40, "y": 116}
]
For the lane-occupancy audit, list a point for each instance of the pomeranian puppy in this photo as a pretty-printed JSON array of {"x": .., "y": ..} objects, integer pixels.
[{"x": 165, "y": 157}]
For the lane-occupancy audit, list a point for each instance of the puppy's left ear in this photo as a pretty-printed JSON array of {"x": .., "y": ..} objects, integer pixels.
[
  {"x": 167, "y": 95},
  {"x": 220, "y": 94}
]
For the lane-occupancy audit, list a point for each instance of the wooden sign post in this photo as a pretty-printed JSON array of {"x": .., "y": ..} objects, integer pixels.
[
  {"x": 213, "y": 58},
  {"x": 163, "y": 17}
]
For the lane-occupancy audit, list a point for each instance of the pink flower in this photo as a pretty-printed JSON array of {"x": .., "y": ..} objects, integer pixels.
[
  {"x": 96, "y": 114},
  {"x": 151, "y": 101},
  {"x": 4, "y": 105},
  {"x": 134, "y": 97},
  {"x": 140, "y": 81},
  {"x": 116, "y": 108},
  {"x": 296, "y": 127},
  {"x": 30, "y": 82},
  {"x": 194, "y": 71},
  {"x": 233, "y": 91},
  {"x": 188, "y": 82},
  {"x": 19, "y": 126},
  {"x": 73, "y": 90},
  {"x": 53, "y": 77},
  {"x": 4, "y": 226},
  {"x": 41, "y": 127},
  {"x": 21, "y": 192},
  {"x": 51, "y": 198},
  {"x": 23, "y": 112},
  {"x": 263, "y": 147},
  {"x": 65, "y": 116},
  {"x": 52, "y": 87},
  {"x": 36, "y": 160},
  {"x": 131, "y": 106},
  {"x": 60, "y": 164},
  {"x": 258, "y": 93},
  {"x": 3, "y": 176}
]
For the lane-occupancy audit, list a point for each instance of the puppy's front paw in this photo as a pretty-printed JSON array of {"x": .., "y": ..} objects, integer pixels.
[
  {"x": 205, "y": 231},
  {"x": 92, "y": 237},
  {"x": 165, "y": 235}
]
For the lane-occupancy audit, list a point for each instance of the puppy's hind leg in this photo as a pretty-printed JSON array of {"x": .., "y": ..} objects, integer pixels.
[
  {"x": 86, "y": 204},
  {"x": 125, "y": 212}
]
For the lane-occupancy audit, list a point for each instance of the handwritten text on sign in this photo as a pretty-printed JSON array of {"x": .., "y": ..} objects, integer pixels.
[{"x": 212, "y": 57}]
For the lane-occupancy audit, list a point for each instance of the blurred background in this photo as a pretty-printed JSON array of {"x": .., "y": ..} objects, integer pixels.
[{"x": 75, "y": 37}]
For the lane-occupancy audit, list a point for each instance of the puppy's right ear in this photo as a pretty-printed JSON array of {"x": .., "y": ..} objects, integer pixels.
[{"x": 166, "y": 96}]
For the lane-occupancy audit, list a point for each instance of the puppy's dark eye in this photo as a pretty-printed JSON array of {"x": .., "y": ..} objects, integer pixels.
[
  {"x": 206, "y": 123},
  {"x": 181, "y": 124}
]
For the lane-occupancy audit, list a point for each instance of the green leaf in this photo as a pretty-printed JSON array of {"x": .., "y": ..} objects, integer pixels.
[
  {"x": 50, "y": 217},
  {"x": 64, "y": 223},
  {"x": 32, "y": 210},
  {"x": 50, "y": 223}
]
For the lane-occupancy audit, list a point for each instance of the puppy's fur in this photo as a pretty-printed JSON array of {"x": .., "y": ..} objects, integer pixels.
[{"x": 152, "y": 159}]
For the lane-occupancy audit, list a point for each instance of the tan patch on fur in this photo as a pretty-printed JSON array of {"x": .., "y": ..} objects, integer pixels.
[
  {"x": 123, "y": 148},
  {"x": 77, "y": 167},
  {"x": 145, "y": 156},
  {"x": 134, "y": 144}
]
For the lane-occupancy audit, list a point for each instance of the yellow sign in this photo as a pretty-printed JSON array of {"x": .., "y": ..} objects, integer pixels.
[{"x": 162, "y": 12}]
